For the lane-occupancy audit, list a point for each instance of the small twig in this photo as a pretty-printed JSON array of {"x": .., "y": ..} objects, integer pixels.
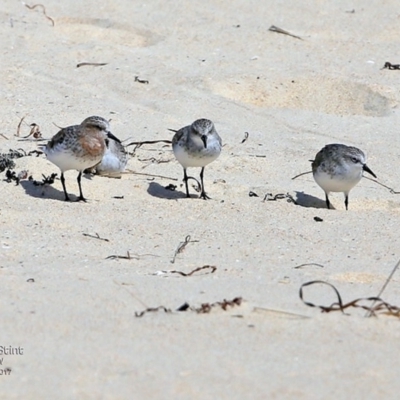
[
  {"x": 288, "y": 313},
  {"x": 4, "y": 136},
  {"x": 96, "y": 236},
  {"x": 182, "y": 246},
  {"x": 84, "y": 64},
  {"x": 388, "y": 65},
  {"x": 144, "y": 81},
  {"x": 304, "y": 173},
  {"x": 154, "y": 160},
  {"x": 127, "y": 257},
  {"x": 152, "y": 309},
  {"x": 35, "y": 132},
  {"x": 274, "y": 28},
  {"x": 246, "y": 136},
  {"x": 379, "y": 183},
  {"x": 368, "y": 314},
  {"x": 19, "y": 126},
  {"x": 212, "y": 267},
  {"x": 43, "y": 9},
  {"x": 151, "y": 175},
  {"x": 308, "y": 264},
  {"x": 279, "y": 196},
  {"x": 148, "y": 142},
  {"x": 33, "y": 140}
]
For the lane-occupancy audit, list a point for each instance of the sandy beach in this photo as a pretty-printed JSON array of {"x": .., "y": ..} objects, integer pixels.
[{"x": 74, "y": 274}]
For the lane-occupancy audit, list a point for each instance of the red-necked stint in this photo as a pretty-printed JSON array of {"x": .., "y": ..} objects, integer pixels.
[
  {"x": 338, "y": 168},
  {"x": 79, "y": 147},
  {"x": 196, "y": 145}
]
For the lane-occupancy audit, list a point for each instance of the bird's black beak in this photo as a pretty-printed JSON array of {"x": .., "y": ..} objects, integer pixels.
[
  {"x": 111, "y": 136},
  {"x": 365, "y": 168},
  {"x": 204, "y": 139}
]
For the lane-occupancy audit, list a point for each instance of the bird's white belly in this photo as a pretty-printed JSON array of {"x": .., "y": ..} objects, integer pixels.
[
  {"x": 111, "y": 163},
  {"x": 337, "y": 183},
  {"x": 65, "y": 160},
  {"x": 196, "y": 159}
]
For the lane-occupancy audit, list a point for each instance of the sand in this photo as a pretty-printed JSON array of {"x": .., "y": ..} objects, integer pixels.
[{"x": 72, "y": 310}]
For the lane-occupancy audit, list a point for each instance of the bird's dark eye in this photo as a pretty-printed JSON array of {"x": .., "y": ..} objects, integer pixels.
[{"x": 355, "y": 160}]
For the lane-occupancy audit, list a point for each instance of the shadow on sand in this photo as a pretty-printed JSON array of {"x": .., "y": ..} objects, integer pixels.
[
  {"x": 306, "y": 200},
  {"x": 156, "y": 190}
]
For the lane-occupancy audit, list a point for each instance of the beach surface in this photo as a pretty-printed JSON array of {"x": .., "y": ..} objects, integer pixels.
[{"x": 76, "y": 276}]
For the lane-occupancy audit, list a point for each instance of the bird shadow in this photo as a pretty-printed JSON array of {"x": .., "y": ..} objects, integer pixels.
[
  {"x": 306, "y": 200},
  {"x": 157, "y": 190},
  {"x": 45, "y": 192}
]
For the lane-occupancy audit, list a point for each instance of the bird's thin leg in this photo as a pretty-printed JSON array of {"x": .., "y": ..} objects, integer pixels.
[
  {"x": 80, "y": 198},
  {"x": 346, "y": 200},
  {"x": 203, "y": 194},
  {"x": 185, "y": 179},
  {"x": 63, "y": 185},
  {"x": 328, "y": 203}
]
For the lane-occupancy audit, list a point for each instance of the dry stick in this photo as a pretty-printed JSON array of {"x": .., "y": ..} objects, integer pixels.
[
  {"x": 304, "y": 173},
  {"x": 33, "y": 140},
  {"x": 84, "y": 64},
  {"x": 4, "y": 136},
  {"x": 368, "y": 314},
  {"x": 148, "y": 142},
  {"x": 274, "y": 28},
  {"x": 182, "y": 246},
  {"x": 35, "y": 131},
  {"x": 305, "y": 265},
  {"x": 135, "y": 297},
  {"x": 43, "y": 9},
  {"x": 288, "y": 313},
  {"x": 387, "y": 187},
  {"x": 151, "y": 175},
  {"x": 145, "y": 81},
  {"x": 95, "y": 237},
  {"x": 127, "y": 257},
  {"x": 19, "y": 126},
  {"x": 212, "y": 267}
]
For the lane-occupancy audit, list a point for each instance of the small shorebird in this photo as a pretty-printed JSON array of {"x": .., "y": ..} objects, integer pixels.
[
  {"x": 113, "y": 162},
  {"x": 196, "y": 145},
  {"x": 79, "y": 147},
  {"x": 338, "y": 168}
]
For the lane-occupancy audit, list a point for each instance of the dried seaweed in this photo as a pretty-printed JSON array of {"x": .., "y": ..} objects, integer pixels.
[
  {"x": 46, "y": 181},
  {"x": 43, "y": 10},
  {"x": 246, "y": 136},
  {"x": 204, "y": 308},
  {"x": 279, "y": 196},
  {"x": 211, "y": 267},
  {"x": 389, "y": 65},
  {"x": 373, "y": 305},
  {"x": 181, "y": 247}
]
